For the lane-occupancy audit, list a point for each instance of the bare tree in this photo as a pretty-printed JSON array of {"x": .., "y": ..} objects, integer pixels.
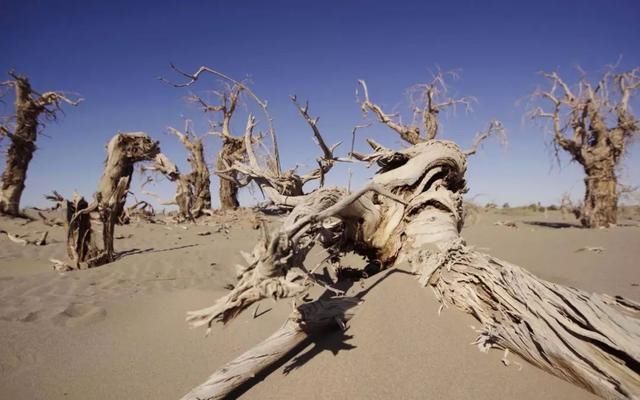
[
  {"x": 199, "y": 177},
  {"x": 193, "y": 196},
  {"x": 594, "y": 124},
  {"x": 232, "y": 146},
  {"x": 428, "y": 100},
  {"x": 23, "y": 130},
  {"x": 238, "y": 163}
]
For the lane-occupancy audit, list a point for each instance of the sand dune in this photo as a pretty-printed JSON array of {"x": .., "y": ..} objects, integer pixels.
[{"x": 118, "y": 331}]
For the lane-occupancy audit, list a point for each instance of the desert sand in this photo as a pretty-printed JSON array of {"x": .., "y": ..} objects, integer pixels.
[{"x": 118, "y": 331}]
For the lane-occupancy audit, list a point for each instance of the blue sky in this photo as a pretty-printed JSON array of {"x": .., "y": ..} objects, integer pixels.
[{"x": 112, "y": 53}]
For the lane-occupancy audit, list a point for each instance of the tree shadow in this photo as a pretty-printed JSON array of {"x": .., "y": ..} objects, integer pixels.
[
  {"x": 335, "y": 340},
  {"x": 554, "y": 225},
  {"x": 149, "y": 250},
  {"x": 328, "y": 339}
]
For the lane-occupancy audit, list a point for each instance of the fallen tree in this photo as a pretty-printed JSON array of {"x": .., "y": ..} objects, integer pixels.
[
  {"x": 31, "y": 106},
  {"x": 594, "y": 124},
  {"x": 412, "y": 213},
  {"x": 123, "y": 151},
  {"x": 588, "y": 339}
]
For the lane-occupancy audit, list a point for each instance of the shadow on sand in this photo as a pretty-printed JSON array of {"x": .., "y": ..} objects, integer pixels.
[
  {"x": 554, "y": 225},
  {"x": 132, "y": 252},
  {"x": 333, "y": 340}
]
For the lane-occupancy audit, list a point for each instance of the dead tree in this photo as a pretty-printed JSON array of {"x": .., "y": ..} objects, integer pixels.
[
  {"x": 238, "y": 164},
  {"x": 412, "y": 213},
  {"x": 30, "y": 107},
  {"x": 199, "y": 177},
  {"x": 185, "y": 195},
  {"x": 286, "y": 189},
  {"x": 594, "y": 124},
  {"x": 232, "y": 146},
  {"x": 193, "y": 196},
  {"x": 123, "y": 151}
]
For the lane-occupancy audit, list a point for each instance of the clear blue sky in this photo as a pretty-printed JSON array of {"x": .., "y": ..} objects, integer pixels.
[{"x": 111, "y": 52}]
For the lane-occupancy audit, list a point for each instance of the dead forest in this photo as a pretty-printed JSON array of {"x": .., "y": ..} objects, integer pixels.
[{"x": 411, "y": 212}]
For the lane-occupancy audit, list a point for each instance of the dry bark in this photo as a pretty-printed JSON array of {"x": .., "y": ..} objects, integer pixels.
[
  {"x": 580, "y": 126},
  {"x": 412, "y": 211},
  {"x": 30, "y": 108},
  {"x": 123, "y": 151},
  {"x": 199, "y": 177}
]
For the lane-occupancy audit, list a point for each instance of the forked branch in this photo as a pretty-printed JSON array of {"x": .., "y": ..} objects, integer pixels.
[
  {"x": 410, "y": 134},
  {"x": 495, "y": 129},
  {"x": 327, "y": 160}
]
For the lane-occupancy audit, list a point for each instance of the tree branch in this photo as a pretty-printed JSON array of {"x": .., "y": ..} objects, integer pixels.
[
  {"x": 410, "y": 134},
  {"x": 495, "y": 129},
  {"x": 326, "y": 162}
]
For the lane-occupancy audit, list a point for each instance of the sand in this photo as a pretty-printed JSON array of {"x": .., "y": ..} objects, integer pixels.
[{"x": 118, "y": 331}]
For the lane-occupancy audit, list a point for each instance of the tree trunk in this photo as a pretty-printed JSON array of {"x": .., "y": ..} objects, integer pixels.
[
  {"x": 600, "y": 207},
  {"x": 15, "y": 174},
  {"x": 123, "y": 151},
  {"x": 200, "y": 179},
  {"x": 588, "y": 339},
  {"x": 20, "y": 152},
  {"x": 228, "y": 191}
]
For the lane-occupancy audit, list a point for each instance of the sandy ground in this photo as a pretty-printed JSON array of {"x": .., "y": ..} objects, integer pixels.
[{"x": 118, "y": 331}]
